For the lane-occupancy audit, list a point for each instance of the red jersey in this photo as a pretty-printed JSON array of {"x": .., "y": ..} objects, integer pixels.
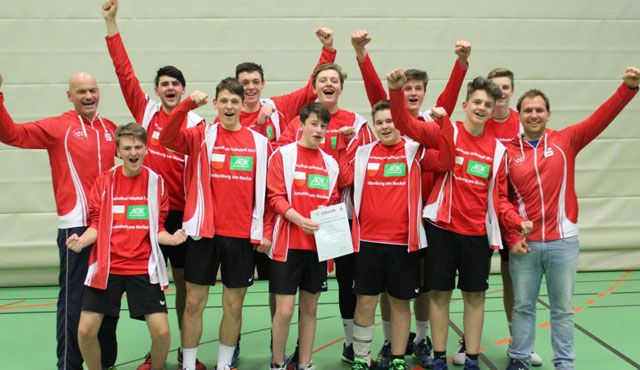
[
  {"x": 79, "y": 150},
  {"x": 149, "y": 114},
  {"x": 542, "y": 178},
  {"x": 506, "y": 130}
]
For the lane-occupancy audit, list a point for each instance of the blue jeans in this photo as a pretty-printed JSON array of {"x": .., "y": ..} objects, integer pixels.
[{"x": 557, "y": 260}]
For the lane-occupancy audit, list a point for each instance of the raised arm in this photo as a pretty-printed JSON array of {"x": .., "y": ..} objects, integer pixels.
[
  {"x": 449, "y": 96},
  {"x": 443, "y": 158},
  {"x": 372, "y": 84},
  {"x": 30, "y": 135},
  {"x": 584, "y": 132},
  {"x": 173, "y": 136},
  {"x": 424, "y": 133},
  {"x": 133, "y": 95}
]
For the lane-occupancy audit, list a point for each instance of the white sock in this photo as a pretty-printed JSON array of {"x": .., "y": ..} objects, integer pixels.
[
  {"x": 386, "y": 330},
  {"x": 362, "y": 339},
  {"x": 189, "y": 356},
  {"x": 347, "y": 326},
  {"x": 225, "y": 354},
  {"x": 421, "y": 331}
]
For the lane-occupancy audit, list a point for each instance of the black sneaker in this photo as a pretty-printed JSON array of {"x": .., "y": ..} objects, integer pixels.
[
  {"x": 409, "y": 350},
  {"x": 347, "y": 353},
  {"x": 517, "y": 365}
]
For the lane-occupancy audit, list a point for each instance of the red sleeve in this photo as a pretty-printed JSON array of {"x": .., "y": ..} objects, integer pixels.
[
  {"x": 173, "y": 136},
  {"x": 134, "y": 96},
  {"x": 164, "y": 207},
  {"x": 95, "y": 200},
  {"x": 289, "y": 134},
  {"x": 269, "y": 221},
  {"x": 425, "y": 133},
  {"x": 290, "y": 104},
  {"x": 276, "y": 189},
  {"x": 449, "y": 96},
  {"x": 30, "y": 135},
  {"x": 346, "y": 163},
  {"x": 584, "y": 132},
  {"x": 441, "y": 159},
  {"x": 372, "y": 83},
  {"x": 508, "y": 217},
  {"x": 335, "y": 196}
]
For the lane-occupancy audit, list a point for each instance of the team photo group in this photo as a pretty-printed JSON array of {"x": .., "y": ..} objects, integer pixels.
[{"x": 427, "y": 201}]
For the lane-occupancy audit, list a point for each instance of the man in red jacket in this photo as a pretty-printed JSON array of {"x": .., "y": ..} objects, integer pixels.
[
  {"x": 80, "y": 146},
  {"x": 542, "y": 185}
]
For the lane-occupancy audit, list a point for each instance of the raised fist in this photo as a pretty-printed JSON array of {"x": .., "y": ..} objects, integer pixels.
[
  {"x": 463, "y": 50},
  {"x": 110, "y": 8},
  {"x": 265, "y": 113},
  {"x": 360, "y": 39},
  {"x": 199, "y": 98},
  {"x": 325, "y": 35},
  {"x": 438, "y": 112},
  {"x": 631, "y": 77},
  {"x": 396, "y": 79}
]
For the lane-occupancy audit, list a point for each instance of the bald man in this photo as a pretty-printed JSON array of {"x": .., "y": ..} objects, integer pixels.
[{"x": 80, "y": 144}]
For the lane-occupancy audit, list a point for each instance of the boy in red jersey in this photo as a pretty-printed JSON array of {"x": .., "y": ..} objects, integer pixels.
[
  {"x": 152, "y": 115},
  {"x": 388, "y": 239},
  {"x": 414, "y": 90},
  {"x": 80, "y": 146},
  {"x": 226, "y": 158},
  {"x": 542, "y": 186},
  {"x": 301, "y": 178},
  {"x": 128, "y": 205},
  {"x": 463, "y": 212}
]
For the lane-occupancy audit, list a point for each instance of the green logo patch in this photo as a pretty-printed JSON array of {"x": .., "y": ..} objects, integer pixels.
[
  {"x": 334, "y": 142},
  {"x": 137, "y": 212},
  {"x": 478, "y": 169},
  {"x": 318, "y": 182},
  {"x": 395, "y": 169},
  {"x": 241, "y": 163},
  {"x": 270, "y": 134}
]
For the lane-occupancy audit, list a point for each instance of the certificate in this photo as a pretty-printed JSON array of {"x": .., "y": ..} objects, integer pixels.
[{"x": 333, "y": 238}]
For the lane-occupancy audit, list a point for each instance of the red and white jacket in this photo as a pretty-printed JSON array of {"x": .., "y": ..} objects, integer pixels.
[
  {"x": 102, "y": 203},
  {"x": 198, "y": 142},
  {"x": 542, "y": 179},
  {"x": 79, "y": 150},
  {"x": 289, "y": 153}
]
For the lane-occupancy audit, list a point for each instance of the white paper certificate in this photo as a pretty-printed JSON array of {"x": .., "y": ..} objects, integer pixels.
[{"x": 333, "y": 238}]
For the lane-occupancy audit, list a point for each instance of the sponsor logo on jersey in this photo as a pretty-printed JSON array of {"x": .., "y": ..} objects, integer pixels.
[
  {"x": 372, "y": 169},
  {"x": 459, "y": 163},
  {"x": 395, "y": 169},
  {"x": 118, "y": 212},
  {"x": 107, "y": 136},
  {"x": 548, "y": 152},
  {"x": 217, "y": 160},
  {"x": 78, "y": 134},
  {"x": 155, "y": 138},
  {"x": 318, "y": 182},
  {"x": 241, "y": 163},
  {"x": 518, "y": 160},
  {"x": 478, "y": 169},
  {"x": 334, "y": 142},
  {"x": 270, "y": 134},
  {"x": 299, "y": 178},
  {"x": 138, "y": 212}
]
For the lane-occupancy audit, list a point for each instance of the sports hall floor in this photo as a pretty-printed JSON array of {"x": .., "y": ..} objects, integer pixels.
[{"x": 607, "y": 316}]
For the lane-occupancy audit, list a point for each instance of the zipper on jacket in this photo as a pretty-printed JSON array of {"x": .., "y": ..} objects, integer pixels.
[{"x": 542, "y": 210}]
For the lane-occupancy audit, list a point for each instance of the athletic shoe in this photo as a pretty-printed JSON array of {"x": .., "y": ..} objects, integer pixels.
[
  {"x": 230, "y": 368},
  {"x": 309, "y": 367},
  {"x": 146, "y": 364},
  {"x": 199, "y": 365},
  {"x": 278, "y": 367},
  {"x": 236, "y": 356},
  {"x": 347, "y": 353},
  {"x": 384, "y": 356},
  {"x": 409, "y": 350},
  {"x": 517, "y": 365},
  {"x": 422, "y": 353},
  {"x": 536, "y": 360},
  {"x": 360, "y": 364},
  {"x": 439, "y": 364},
  {"x": 292, "y": 362},
  {"x": 470, "y": 364},
  {"x": 460, "y": 356},
  {"x": 398, "y": 364}
]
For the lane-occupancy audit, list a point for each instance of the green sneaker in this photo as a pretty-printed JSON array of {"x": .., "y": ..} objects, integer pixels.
[
  {"x": 398, "y": 364},
  {"x": 360, "y": 364}
]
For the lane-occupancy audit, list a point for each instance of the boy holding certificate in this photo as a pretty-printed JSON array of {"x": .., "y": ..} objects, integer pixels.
[
  {"x": 301, "y": 178},
  {"x": 387, "y": 238}
]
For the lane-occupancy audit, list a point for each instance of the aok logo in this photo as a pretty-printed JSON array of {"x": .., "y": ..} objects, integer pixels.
[
  {"x": 478, "y": 169},
  {"x": 395, "y": 169},
  {"x": 137, "y": 212},
  {"x": 241, "y": 163},
  {"x": 318, "y": 182}
]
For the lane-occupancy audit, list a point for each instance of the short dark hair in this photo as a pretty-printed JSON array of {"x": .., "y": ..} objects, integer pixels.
[
  {"x": 133, "y": 130},
  {"x": 315, "y": 107},
  {"x": 326, "y": 67},
  {"x": 170, "y": 71},
  {"x": 485, "y": 84},
  {"x": 381, "y": 105},
  {"x": 418, "y": 75},
  {"x": 231, "y": 85},
  {"x": 249, "y": 67},
  {"x": 502, "y": 72},
  {"x": 532, "y": 93}
]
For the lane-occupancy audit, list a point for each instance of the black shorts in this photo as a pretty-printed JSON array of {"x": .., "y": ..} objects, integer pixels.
[
  {"x": 206, "y": 255},
  {"x": 174, "y": 253},
  {"x": 449, "y": 252},
  {"x": 143, "y": 298},
  {"x": 387, "y": 268},
  {"x": 262, "y": 262},
  {"x": 504, "y": 253},
  {"x": 301, "y": 270}
]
